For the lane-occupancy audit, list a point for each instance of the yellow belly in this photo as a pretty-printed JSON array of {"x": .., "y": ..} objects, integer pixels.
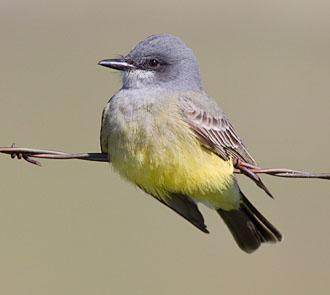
[{"x": 172, "y": 160}]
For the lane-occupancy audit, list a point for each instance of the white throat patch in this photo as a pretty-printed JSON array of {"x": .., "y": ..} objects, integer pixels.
[{"x": 137, "y": 78}]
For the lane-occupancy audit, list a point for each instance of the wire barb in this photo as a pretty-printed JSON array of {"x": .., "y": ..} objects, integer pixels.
[
  {"x": 26, "y": 156},
  {"x": 27, "y": 153}
]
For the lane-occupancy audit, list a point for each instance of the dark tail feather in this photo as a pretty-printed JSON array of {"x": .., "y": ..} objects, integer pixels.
[{"x": 249, "y": 228}]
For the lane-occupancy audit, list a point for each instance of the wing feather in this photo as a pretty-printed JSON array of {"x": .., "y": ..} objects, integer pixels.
[
  {"x": 213, "y": 130},
  {"x": 187, "y": 208}
]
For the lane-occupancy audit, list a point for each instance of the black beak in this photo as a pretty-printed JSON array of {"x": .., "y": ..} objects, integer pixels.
[{"x": 117, "y": 64}]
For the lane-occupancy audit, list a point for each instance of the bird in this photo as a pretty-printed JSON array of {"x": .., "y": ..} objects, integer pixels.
[{"x": 163, "y": 133}]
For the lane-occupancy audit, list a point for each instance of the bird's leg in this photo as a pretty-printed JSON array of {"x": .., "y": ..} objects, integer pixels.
[{"x": 246, "y": 169}]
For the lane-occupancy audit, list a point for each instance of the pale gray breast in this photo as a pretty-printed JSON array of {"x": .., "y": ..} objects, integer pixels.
[{"x": 131, "y": 118}]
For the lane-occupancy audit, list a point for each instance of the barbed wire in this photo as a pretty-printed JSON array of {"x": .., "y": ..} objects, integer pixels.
[{"x": 240, "y": 167}]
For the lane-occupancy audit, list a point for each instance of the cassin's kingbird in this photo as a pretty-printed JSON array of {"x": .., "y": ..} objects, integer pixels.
[{"x": 166, "y": 135}]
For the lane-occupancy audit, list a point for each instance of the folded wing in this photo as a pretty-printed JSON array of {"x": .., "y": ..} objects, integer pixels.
[{"x": 214, "y": 130}]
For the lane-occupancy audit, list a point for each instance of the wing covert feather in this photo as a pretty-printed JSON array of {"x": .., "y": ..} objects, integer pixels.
[{"x": 213, "y": 128}]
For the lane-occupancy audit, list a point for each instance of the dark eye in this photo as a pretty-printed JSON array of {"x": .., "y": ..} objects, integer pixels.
[{"x": 153, "y": 63}]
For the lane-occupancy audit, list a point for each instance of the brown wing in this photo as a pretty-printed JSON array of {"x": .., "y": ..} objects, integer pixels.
[{"x": 214, "y": 130}]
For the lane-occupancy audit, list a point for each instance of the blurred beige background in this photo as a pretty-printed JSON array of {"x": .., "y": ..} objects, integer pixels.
[{"x": 75, "y": 227}]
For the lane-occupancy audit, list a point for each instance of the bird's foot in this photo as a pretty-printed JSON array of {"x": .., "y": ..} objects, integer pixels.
[{"x": 246, "y": 169}]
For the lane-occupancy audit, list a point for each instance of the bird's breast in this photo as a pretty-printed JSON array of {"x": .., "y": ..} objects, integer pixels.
[
  {"x": 150, "y": 145},
  {"x": 141, "y": 131}
]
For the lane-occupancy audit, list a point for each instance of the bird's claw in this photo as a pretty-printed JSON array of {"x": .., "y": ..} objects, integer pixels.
[{"x": 246, "y": 169}]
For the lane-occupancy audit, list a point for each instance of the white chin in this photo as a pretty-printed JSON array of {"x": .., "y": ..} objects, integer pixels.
[{"x": 137, "y": 78}]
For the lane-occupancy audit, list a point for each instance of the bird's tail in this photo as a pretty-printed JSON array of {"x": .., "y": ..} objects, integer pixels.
[{"x": 249, "y": 228}]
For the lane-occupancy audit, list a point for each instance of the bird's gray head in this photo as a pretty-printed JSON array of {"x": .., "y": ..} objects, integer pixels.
[{"x": 162, "y": 61}]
